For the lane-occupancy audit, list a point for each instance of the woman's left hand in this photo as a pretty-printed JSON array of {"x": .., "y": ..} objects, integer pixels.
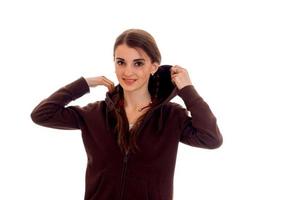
[{"x": 180, "y": 77}]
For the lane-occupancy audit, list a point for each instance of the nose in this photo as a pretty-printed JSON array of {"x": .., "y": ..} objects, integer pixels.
[{"x": 128, "y": 70}]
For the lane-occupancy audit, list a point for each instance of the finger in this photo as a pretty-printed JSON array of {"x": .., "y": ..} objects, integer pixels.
[
  {"x": 107, "y": 80},
  {"x": 110, "y": 87},
  {"x": 174, "y": 77},
  {"x": 176, "y": 69},
  {"x": 176, "y": 72},
  {"x": 109, "y": 84}
]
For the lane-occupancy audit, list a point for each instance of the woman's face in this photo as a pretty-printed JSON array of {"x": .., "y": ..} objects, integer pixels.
[{"x": 133, "y": 68}]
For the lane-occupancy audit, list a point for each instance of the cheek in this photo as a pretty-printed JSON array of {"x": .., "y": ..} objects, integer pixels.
[
  {"x": 117, "y": 70},
  {"x": 118, "y": 74},
  {"x": 144, "y": 76}
]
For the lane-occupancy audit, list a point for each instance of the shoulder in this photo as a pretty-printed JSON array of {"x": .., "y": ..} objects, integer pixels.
[
  {"x": 173, "y": 105},
  {"x": 91, "y": 111},
  {"x": 176, "y": 108},
  {"x": 175, "y": 114},
  {"x": 92, "y": 107}
]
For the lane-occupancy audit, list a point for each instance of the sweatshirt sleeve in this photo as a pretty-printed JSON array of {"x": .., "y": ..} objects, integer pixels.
[
  {"x": 201, "y": 129},
  {"x": 52, "y": 111}
]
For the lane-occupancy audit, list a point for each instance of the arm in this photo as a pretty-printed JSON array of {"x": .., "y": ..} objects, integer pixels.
[
  {"x": 52, "y": 113},
  {"x": 201, "y": 129}
]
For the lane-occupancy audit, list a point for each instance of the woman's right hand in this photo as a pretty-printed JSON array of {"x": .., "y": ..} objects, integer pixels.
[{"x": 100, "y": 80}]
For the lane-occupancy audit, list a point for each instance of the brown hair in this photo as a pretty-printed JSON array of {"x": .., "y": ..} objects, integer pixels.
[{"x": 134, "y": 38}]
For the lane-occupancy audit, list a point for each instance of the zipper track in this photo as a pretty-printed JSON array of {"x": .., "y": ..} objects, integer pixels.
[{"x": 125, "y": 160}]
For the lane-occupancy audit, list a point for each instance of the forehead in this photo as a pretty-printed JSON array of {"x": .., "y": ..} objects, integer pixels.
[{"x": 129, "y": 53}]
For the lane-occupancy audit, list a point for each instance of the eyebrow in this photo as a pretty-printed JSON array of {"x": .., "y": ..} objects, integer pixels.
[{"x": 139, "y": 59}]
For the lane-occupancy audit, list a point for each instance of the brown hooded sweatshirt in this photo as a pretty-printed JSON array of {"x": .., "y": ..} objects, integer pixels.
[{"x": 147, "y": 174}]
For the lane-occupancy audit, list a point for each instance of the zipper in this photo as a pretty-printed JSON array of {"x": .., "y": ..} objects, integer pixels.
[{"x": 125, "y": 161}]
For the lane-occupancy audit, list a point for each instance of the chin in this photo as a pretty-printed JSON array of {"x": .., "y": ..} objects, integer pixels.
[{"x": 128, "y": 89}]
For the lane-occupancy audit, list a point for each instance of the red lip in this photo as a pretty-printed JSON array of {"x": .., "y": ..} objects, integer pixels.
[{"x": 129, "y": 81}]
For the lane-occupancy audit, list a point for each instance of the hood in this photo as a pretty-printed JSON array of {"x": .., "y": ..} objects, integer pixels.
[{"x": 165, "y": 90}]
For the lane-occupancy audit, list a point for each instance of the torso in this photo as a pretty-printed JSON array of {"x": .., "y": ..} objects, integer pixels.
[{"x": 132, "y": 116}]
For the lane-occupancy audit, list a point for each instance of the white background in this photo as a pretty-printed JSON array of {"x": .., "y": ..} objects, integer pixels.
[{"x": 242, "y": 57}]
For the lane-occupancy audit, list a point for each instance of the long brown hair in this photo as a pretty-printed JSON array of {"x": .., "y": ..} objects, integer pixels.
[{"x": 134, "y": 38}]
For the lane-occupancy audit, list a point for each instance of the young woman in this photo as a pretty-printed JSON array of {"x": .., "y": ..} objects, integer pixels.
[{"x": 131, "y": 137}]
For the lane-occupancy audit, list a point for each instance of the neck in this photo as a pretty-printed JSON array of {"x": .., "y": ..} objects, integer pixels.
[{"x": 136, "y": 100}]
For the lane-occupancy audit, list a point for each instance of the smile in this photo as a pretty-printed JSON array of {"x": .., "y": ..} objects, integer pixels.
[{"x": 129, "y": 81}]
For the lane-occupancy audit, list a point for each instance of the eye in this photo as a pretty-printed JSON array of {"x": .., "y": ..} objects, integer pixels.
[
  {"x": 120, "y": 62},
  {"x": 139, "y": 64}
]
